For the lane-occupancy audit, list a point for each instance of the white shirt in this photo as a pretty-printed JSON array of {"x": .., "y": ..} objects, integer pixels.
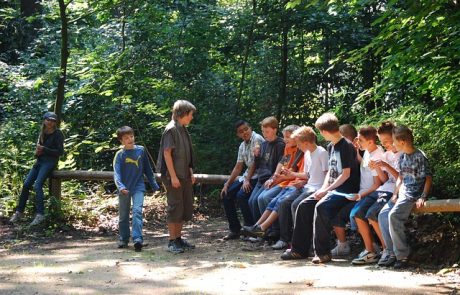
[
  {"x": 316, "y": 166},
  {"x": 392, "y": 159},
  {"x": 367, "y": 174}
]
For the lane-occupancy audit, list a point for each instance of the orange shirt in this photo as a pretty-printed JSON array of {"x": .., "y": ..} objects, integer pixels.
[{"x": 289, "y": 157}]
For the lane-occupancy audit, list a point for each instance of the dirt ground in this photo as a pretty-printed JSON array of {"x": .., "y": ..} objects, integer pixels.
[{"x": 91, "y": 264}]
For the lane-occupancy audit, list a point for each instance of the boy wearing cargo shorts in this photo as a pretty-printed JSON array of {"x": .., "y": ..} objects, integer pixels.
[{"x": 175, "y": 162}]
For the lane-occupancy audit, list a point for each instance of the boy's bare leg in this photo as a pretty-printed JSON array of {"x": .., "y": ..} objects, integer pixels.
[
  {"x": 263, "y": 217},
  {"x": 175, "y": 230},
  {"x": 270, "y": 220},
  {"x": 340, "y": 233},
  {"x": 365, "y": 231},
  {"x": 376, "y": 227}
]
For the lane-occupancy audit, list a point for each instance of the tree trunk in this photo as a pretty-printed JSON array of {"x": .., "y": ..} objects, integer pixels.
[
  {"x": 64, "y": 57},
  {"x": 247, "y": 49},
  {"x": 282, "y": 97}
]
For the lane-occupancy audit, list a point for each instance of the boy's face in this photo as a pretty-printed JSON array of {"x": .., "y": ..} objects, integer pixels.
[
  {"x": 301, "y": 145},
  {"x": 387, "y": 141},
  {"x": 363, "y": 143},
  {"x": 399, "y": 144},
  {"x": 244, "y": 132},
  {"x": 290, "y": 142},
  {"x": 128, "y": 141},
  {"x": 269, "y": 133},
  {"x": 327, "y": 136},
  {"x": 185, "y": 120}
]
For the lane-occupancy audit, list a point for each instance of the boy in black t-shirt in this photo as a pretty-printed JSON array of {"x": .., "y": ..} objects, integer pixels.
[{"x": 340, "y": 184}]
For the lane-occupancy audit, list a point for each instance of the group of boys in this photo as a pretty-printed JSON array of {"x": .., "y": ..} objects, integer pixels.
[{"x": 299, "y": 192}]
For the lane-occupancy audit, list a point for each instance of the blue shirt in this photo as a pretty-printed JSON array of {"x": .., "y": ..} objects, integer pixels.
[
  {"x": 413, "y": 170},
  {"x": 129, "y": 168}
]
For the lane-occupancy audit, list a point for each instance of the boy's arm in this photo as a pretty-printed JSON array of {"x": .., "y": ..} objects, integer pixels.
[
  {"x": 117, "y": 174},
  {"x": 426, "y": 190},
  {"x": 235, "y": 172},
  {"x": 338, "y": 182},
  {"x": 395, "y": 193},
  {"x": 170, "y": 165},
  {"x": 149, "y": 173},
  {"x": 373, "y": 188}
]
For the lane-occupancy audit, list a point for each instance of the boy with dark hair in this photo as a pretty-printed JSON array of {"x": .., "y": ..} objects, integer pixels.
[
  {"x": 175, "y": 162},
  {"x": 412, "y": 187},
  {"x": 238, "y": 188},
  {"x": 129, "y": 165},
  {"x": 341, "y": 180}
]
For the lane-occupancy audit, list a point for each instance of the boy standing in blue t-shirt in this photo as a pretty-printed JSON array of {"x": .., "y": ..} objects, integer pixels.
[
  {"x": 129, "y": 165},
  {"x": 412, "y": 188}
]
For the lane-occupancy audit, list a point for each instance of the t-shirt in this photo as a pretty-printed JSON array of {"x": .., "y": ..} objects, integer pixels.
[
  {"x": 413, "y": 169},
  {"x": 129, "y": 168},
  {"x": 292, "y": 159},
  {"x": 271, "y": 153},
  {"x": 246, "y": 155},
  {"x": 368, "y": 174},
  {"x": 343, "y": 155},
  {"x": 315, "y": 165},
  {"x": 392, "y": 159}
]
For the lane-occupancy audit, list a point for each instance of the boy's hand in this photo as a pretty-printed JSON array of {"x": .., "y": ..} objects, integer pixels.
[
  {"x": 224, "y": 190},
  {"x": 246, "y": 186},
  {"x": 268, "y": 183},
  {"x": 420, "y": 203},
  {"x": 319, "y": 194},
  {"x": 124, "y": 192},
  {"x": 176, "y": 183}
]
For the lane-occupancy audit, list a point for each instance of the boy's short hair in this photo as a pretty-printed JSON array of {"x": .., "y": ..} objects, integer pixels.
[
  {"x": 290, "y": 128},
  {"x": 123, "y": 131},
  {"x": 304, "y": 134},
  {"x": 403, "y": 133},
  {"x": 348, "y": 131},
  {"x": 270, "y": 122},
  {"x": 327, "y": 122},
  {"x": 181, "y": 108},
  {"x": 239, "y": 123},
  {"x": 386, "y": 128},
  {"x": 369, "y": 133}
]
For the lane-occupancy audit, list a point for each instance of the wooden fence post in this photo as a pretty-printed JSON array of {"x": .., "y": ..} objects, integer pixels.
[{"x": 55, "y": 187}]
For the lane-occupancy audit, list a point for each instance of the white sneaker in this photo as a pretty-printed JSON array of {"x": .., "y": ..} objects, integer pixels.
[
  {"x": 341, "y": 249},
  {"x": 37, "y": 220},
  {"x": 366, "y": 257},
  {"x": 16, "y": 217}
]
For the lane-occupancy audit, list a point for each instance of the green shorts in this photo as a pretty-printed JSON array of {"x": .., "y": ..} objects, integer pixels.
[{"x": 180, "y": 200}]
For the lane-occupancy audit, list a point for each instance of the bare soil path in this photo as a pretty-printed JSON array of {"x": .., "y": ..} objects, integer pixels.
[{"x": 93, "y": 265}]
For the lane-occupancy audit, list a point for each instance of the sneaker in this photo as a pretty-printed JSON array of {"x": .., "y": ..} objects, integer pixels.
[
  {"x": 401, "y": 263},
  {"x": 138, "y": 246},
  {"x": 16, "y": 217},
  {"x": 291, "y": 255},
  {"x": 255, "y": 240},
  {"x": 342, "y": 249},
  {"x": 365, "y": 257},
  {"x": 175, "y": 247},
  {"x": 387, "y": 259},
  {"x": 37, "y": 220},
  {"x": 280, "y": 245},
  {"x": 321, "y": 258},
  {"x": 122, "y": 244},
  {"x": 185, "y": 244},
  {"x": 254, "y": 231},
  {"x": 231, "y": 236}
]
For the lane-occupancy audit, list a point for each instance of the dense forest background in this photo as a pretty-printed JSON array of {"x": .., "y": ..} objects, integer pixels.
[{"x": 107, "y": 63}]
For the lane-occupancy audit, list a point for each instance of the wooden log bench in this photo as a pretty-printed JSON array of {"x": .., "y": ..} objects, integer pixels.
[{"x": 431, "y": 206}]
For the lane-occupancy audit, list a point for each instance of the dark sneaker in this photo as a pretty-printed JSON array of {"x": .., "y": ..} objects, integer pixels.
[
  {"x": 175, "y": 247},
  {"x": 16, "y": 217},
  {"x": 280, "y": 245},
  {"x": 387, "y": 259},
  {"x": 400, "y": 264},
  {"x": 185, "y": 244},
  {"x": 322, "y": 258},
  {"x": 138, "y": 246},
  {"x": 254, "y": 231},
  {"x": 122, "y": 244},
  {"x": 231, "y": 236},
  {"x": 291, "y": 255}
]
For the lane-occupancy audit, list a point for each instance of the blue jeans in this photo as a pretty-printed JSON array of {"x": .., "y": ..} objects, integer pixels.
[
  {"x": 275, "y": 203},
  {"x": 123, "y": 216},
  {"x": 36, "y": 178},
  {"x": 236, "y": 193},
  {"x": 391, "y": 222},
  {"x": 253, "y": 201},
  {"x": 266, "y": 196}
]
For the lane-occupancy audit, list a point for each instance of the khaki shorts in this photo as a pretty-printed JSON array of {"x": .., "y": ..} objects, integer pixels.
[{"x": 180, "y": 200}]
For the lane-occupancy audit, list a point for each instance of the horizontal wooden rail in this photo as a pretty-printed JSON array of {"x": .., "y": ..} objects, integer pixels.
[
  {"x": 59, "y": 175},
  {"x": 431, "y": 206}
]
